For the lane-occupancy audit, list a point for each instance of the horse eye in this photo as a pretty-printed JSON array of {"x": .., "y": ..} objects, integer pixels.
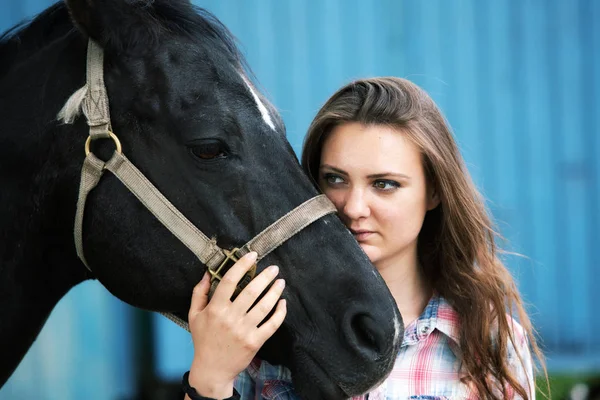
[{"x": 209, "y": 150}]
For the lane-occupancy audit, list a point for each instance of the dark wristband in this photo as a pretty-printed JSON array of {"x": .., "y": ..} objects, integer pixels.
[{"x": 193, "y": 394}]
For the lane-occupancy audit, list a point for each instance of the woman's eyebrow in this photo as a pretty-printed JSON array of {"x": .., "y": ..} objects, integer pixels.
[
  {"x": 372, "y": 176},
  {"x": 339, "y": 171},
  {"x": 389, "y": 174}
]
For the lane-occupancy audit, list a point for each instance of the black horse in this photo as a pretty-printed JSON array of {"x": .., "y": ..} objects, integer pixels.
[{"x": 191, "y": 121}]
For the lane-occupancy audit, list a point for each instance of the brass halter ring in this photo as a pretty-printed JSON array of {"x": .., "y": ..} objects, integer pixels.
[{"x": 111, "y": 135}]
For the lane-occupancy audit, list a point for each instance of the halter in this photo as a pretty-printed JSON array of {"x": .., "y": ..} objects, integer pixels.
[{"x": 217, "y": 260}]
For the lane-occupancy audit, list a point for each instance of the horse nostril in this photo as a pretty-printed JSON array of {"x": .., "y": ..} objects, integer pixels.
[{"x": 367, "y": 336}]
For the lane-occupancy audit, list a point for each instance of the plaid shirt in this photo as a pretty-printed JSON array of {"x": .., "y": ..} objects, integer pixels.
[{"x": 426, "y": 368}]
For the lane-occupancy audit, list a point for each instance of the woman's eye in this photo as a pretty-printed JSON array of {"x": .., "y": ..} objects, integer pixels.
[
  {"x": 384, "y": 184},
  {"x": 209, "y": 150},
  {"x": 333, "y": 179}
]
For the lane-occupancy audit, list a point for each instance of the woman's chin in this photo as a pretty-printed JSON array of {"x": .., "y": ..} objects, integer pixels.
[{"x": 371, "y": 251}]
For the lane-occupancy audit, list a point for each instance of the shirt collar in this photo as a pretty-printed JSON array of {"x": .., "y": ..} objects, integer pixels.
[
  {"x": 438, "y": 314},
  {"x": 447, "y": 320}
]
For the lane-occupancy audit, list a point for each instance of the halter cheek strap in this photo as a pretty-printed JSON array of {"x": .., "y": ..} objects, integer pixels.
[{"x": 216, "y": 259}]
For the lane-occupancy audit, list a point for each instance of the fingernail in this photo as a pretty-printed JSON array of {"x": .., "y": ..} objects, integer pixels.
[
  {"x": 280, "y": 283},
  {"x": 252, "y": 256},
  {"x": 273, "y": 269},
  {"x": 205, "y": 275}
]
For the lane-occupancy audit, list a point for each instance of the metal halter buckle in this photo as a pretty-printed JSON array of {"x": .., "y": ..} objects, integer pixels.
[{"x": 232, "y": 258}]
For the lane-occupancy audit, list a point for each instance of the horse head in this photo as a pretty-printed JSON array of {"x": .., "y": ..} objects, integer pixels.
[{"x": 190, "y": 119}]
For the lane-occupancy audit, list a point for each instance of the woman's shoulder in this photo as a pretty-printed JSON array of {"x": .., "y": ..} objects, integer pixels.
[
  {"x": 516, "y": 328},
  {"x": 518, "y": 345},
  {"x": 515, "y": 335},
  {"x": 448, "y": 315}
]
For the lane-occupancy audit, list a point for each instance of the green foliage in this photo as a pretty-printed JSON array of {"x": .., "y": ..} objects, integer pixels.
[{"x": 560, "y": 384}]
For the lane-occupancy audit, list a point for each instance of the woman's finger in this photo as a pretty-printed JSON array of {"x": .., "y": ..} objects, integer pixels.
[
  {"x": 272, "y": 324},
  {"x": 226, "y": 287},
  {"x": 199, "y": 296},
  {"x": 260, "y": 311},
  {"x": 254, "y": 289}
]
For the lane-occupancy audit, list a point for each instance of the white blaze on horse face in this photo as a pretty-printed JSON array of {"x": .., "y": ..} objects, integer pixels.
[{"x": 261, "y": 107}]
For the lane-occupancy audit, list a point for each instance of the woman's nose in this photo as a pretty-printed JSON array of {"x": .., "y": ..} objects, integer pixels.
[{"x": 356, "y": 205}]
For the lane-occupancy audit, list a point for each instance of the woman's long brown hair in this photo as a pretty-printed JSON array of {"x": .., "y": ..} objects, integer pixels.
[{"x": 457, "y": 243}]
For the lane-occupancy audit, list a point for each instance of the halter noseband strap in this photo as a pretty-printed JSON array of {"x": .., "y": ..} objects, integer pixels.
[{"x": 217, "y": 260}]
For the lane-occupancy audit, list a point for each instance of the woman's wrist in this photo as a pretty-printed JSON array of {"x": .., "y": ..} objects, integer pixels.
[{"x": 208, "y": 385}]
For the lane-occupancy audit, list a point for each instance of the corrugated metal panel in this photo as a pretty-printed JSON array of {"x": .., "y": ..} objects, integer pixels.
[{"x": 518, "y": 80}]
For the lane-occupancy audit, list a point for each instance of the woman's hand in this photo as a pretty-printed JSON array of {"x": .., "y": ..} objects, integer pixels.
[{"x": 225, "y": 333}]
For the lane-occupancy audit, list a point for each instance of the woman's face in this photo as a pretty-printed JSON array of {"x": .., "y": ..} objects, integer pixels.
[{"x": 374, "y": 176}]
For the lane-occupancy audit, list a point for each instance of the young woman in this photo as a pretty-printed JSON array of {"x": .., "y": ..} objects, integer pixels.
[{"x": 381, "y": 150}]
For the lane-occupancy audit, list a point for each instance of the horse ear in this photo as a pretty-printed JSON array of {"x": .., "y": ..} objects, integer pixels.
[
  {"x": 120, "y": 24},
  {"x": 81, "y": 11}
]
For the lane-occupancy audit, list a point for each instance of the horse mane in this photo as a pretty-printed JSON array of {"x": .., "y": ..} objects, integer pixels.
[{"x": 194, "y": 21}]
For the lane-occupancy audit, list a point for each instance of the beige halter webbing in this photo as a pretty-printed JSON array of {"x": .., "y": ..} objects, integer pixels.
[{"x": 96, "y": 109}]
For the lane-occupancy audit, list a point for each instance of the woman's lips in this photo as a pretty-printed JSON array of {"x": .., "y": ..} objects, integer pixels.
[{"x": 361, "y": 234}]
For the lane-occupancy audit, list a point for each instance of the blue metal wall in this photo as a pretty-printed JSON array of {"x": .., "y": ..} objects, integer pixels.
[
  {"x": 83, "y": 352},
  {"x": 519, "y": 81}
]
